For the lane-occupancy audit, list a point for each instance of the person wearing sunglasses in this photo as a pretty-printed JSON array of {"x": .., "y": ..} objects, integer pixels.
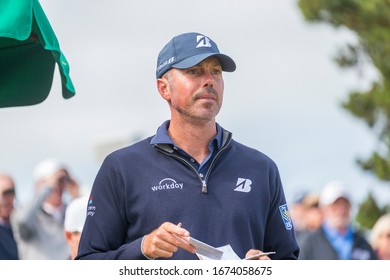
[{"x": 8, "y": 246}]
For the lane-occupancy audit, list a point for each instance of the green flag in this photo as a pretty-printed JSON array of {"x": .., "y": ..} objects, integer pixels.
[{"x": 29, "y": 50}]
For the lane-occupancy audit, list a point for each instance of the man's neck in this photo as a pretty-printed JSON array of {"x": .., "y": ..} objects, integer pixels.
[
  {"x": 340, "y": 229},
  {"x": 4, "y": 221},
  {"x": 194, "y": 138}
]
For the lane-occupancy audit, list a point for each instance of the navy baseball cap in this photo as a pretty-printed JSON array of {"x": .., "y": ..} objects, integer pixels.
[{"x": 189, "y": 49}]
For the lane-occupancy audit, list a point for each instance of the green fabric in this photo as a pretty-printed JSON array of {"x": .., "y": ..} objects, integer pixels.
[
  {"x": 29, "y": 50},
  {"x": 16, "y": 18}
]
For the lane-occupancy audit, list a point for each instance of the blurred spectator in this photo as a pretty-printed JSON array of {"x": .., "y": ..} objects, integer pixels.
[
  {"x": 8, "y": 247},
  {"x": 380, "y": 237},
  {"x": 75, "y": 215},
  {"x": 305, "y": 214},
  {"x": 336, "y": 238},
  {"x": 313, "y": 212},
  {"x": 298, "y": 213},
  {"x": 39, "y": 225}
]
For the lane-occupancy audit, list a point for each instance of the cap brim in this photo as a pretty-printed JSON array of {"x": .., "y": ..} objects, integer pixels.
[{"x": 227, "y": 63}]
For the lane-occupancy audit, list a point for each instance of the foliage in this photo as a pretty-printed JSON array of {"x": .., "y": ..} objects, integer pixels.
[
  {"x": 370, "y": 21},
  {"x": 369, "y": 212}
]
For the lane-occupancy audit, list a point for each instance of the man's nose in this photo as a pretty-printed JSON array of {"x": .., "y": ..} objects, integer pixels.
[{"x": 209, "y": 79}]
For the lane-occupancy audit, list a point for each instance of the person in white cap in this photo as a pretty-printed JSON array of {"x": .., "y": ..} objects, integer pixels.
[
  {"x": 336, "y": 239},
  {"x": 39, "y": 225},
  {"x": 75, "y": 215}
]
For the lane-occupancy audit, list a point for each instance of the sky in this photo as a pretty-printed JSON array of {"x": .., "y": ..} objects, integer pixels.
[{"x": 284, "y": 99}]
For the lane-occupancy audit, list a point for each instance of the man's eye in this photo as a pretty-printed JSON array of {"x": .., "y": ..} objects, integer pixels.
[{"x": 193, "y": 71}]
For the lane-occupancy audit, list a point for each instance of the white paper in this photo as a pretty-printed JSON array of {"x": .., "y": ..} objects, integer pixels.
[{"x": 207, "y": 252}]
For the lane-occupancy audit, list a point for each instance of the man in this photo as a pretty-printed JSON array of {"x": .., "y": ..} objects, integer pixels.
[
  {"x": 336, "y": 239},
  {"x": 191, "y": 178},
  {"x": 8, "y": 246},
  {"x": 313, "y": 211},
  {"x": 39, "y": 225},
  {"x": 298, "y": 215}
]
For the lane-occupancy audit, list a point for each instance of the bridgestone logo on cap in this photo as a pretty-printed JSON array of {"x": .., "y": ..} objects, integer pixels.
[{"x": 203, "y": 41}]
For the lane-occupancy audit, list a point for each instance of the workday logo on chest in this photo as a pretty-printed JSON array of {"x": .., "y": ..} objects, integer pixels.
[{"x": 167, "y": 184}]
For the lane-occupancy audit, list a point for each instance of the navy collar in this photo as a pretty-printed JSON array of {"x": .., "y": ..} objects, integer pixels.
[{"x": 162, "y": 136}]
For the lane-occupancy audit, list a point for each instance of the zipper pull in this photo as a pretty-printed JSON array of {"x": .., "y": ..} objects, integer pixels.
[{"x": 204, "y": 186}]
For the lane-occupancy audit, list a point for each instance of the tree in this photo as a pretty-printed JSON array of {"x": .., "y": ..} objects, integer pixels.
[
  {"x": 370, "y": 21},
  {"x": 369, "y": 212}
]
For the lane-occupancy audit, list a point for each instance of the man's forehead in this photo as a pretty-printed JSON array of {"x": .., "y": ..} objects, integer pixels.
[{"x": 5, "y": 182}]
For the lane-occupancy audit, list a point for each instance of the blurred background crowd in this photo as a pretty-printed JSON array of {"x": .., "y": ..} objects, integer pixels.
[{"x": 328, "y": 224}]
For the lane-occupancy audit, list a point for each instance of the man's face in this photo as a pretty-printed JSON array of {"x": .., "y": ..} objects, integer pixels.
[
  {"x": 384, "y": 245},
  {"x": 58, "y": 182},
  {"x": 195, "y": 93},
  {"x": 7, "y": 197},
  {"x": 338, "y": 213}
]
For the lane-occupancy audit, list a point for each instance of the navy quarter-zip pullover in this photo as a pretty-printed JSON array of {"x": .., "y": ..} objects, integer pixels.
[{"x": 239, "y": 200}]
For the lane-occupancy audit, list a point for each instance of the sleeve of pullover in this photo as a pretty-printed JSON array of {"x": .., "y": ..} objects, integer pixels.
[{"x": 104, "y": 234}]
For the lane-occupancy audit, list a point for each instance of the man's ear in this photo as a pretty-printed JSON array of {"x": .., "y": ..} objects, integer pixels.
[{"x": 163, "y": 88}]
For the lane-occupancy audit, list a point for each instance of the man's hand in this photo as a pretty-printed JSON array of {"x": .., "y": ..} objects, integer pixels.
[
  {"x": 164, "y": 241},
  {"x": 253, "y": 252}
]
